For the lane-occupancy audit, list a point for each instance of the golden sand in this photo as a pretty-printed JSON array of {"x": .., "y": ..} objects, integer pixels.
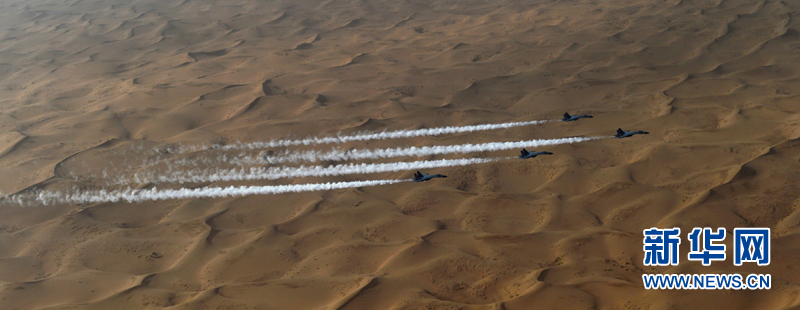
[{"x": 92, "y": 85}]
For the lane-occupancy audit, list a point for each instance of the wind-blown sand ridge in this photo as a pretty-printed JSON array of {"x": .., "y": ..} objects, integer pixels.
[{"x": 94, "y": 85}]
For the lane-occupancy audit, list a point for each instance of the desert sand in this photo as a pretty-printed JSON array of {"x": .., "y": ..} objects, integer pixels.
[{"x": 93, "y": 90}]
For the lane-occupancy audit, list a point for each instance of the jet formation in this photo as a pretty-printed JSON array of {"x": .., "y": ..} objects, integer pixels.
[
  {"x": 624, "y": 134},
  {"x": 569, "y": 118},
  {"x": 422, "y": 177},
  {"x": 524, "y": 154}
]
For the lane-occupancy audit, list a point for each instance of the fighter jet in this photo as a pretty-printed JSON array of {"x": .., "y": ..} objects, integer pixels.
[
  {"x": 569, "y": 118},
  {"x": 420, "y": 177},
  {"x": 624, "y": 134},
  {"x": 524, "y": 154}
]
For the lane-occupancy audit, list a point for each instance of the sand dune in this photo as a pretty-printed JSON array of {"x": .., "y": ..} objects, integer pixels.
[{"x": 90, "y": 88}]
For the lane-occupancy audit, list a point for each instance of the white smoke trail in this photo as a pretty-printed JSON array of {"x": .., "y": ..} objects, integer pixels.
[
  {"x": 380, "y": 135},
  {"x": 273, "y": 173},
  {"x": 338, "y": 155},
  {"x": 136, "y": 195}
]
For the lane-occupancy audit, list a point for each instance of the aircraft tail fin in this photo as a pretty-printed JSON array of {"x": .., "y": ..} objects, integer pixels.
[
  {"x": 620, "y": 132},
  {"x": 566, "y": 115},
  {"x": 524, "y": 152}
]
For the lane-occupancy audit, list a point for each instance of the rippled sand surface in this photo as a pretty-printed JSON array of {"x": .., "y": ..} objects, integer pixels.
[{"x": 95, "y": 91}]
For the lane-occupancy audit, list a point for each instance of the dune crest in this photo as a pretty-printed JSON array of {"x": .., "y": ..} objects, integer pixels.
[{"x": 94, "y": 91}]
